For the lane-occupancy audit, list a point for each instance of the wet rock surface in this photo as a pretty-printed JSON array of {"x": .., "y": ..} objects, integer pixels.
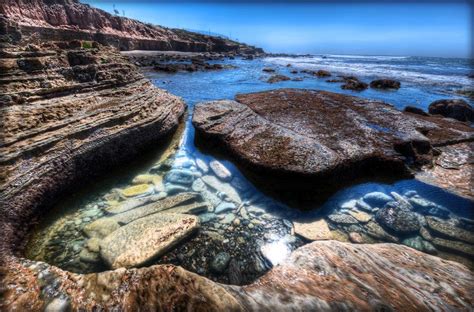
[
  {"x": 453, "y": 108},
  {"x": 145, "y": 239},
  {"x": 284, "y": 132}
]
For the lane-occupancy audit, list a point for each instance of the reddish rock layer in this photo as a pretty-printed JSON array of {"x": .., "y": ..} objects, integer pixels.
[
  {"x": 70, "y": 19},
  {"x": 323, "y": 276}
]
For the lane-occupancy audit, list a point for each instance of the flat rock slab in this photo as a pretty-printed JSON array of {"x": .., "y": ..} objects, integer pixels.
[
  {"x": 144, "y": 239},
  {"x": 314, "y": 230},
  {"x": 323, "y": 135}
]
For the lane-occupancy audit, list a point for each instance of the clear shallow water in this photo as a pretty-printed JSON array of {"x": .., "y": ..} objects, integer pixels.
[{"x": 243, "y": 232}]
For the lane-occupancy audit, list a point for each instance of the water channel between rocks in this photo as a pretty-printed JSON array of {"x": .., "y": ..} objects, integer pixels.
[{"x": 242, "y": 232}]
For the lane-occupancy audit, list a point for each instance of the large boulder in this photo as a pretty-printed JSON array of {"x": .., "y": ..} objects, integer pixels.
[
  {"x": 145, "y": 239},
  {"x": 453, "y": 108},
  {"x": 285, "y": 133}
]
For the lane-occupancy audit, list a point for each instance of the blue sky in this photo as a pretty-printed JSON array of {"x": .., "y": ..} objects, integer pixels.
[{"x": 371, "y": 28}]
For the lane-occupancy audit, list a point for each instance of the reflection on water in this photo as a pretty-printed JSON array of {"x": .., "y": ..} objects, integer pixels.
[{"x": 242, "y": 232}]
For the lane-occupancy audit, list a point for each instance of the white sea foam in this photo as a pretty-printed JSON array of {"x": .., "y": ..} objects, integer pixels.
[{"x": 364, "y": 66}]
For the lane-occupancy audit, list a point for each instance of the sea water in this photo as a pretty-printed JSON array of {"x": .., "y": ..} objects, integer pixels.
[{"x": 245, "y": 232}]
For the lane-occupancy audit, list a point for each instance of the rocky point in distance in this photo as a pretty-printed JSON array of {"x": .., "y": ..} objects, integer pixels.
[{"x": 71, "y": 104}]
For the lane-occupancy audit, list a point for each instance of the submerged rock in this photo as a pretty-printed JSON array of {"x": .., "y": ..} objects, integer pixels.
[
  {"x": 224, "y": 188},
  {"x": 377, "y": 199},
  {"x": 376, "y": 231},
  {"x": 315, "y": 230},
  {"x": 398, "y": 219},
  {"x": 419, "y": 244},
  {"x": 220, "y": 262},
  {"x": 144, "y": 239},
  {"x": 180, "y": 176},
  {"x": 342, "y": 219},
  {"x": 220, "y": 170},
  {"x": 136, "y": 190},
  {"x": 101, "y": 227},
  {"x": 454, "y": 246},
  {"x": 450, "y": 230}
]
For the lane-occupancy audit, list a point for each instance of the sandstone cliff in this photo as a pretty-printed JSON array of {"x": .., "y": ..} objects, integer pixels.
[{"x": 70, "y": 19}]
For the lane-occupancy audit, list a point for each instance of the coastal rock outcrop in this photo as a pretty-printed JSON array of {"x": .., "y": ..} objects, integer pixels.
[
  {"x": 70, "y": 111},
  {"x": 321, "y": 135},
  {"x": 453, "y": 108},
  {"x": 69, "y": 19}
]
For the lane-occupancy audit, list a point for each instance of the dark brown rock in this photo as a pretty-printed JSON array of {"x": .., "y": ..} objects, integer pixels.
[
  {"x": 285, "y": 132},
  {"x": 268, "y": 70},
  {"x": 385, "y": 84},
  {"x": 415, "y": 110},
  {"x": 355, "y": 85},
  {"x": 322, "y": 73},
  {"x": 453, "y": 108}
]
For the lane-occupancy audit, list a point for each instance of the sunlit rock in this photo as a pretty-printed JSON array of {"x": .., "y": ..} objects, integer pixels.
[{"x": 146, "y": 238}]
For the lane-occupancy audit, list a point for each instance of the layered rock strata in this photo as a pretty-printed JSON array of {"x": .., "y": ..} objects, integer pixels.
[
  {"x": 59, "y": 20},
  {"x": 69, "y": 113},
  {"x": 322, "y": 137}
]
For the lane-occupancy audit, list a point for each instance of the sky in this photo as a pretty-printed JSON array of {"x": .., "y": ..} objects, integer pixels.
[{"x": 409, "y": 28}]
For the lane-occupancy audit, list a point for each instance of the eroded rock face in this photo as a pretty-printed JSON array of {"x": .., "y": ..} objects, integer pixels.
[
  {"x": 323, "y": 135},
  {"x": 70, "y": 19},
  {"x": 69, "y": 114},
  {"x": 329, "y": 275},
  {"x": 324, "y": 275}
]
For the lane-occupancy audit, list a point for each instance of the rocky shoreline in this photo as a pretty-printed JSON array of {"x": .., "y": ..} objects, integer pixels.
[{"x": 74, "y": 109}]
